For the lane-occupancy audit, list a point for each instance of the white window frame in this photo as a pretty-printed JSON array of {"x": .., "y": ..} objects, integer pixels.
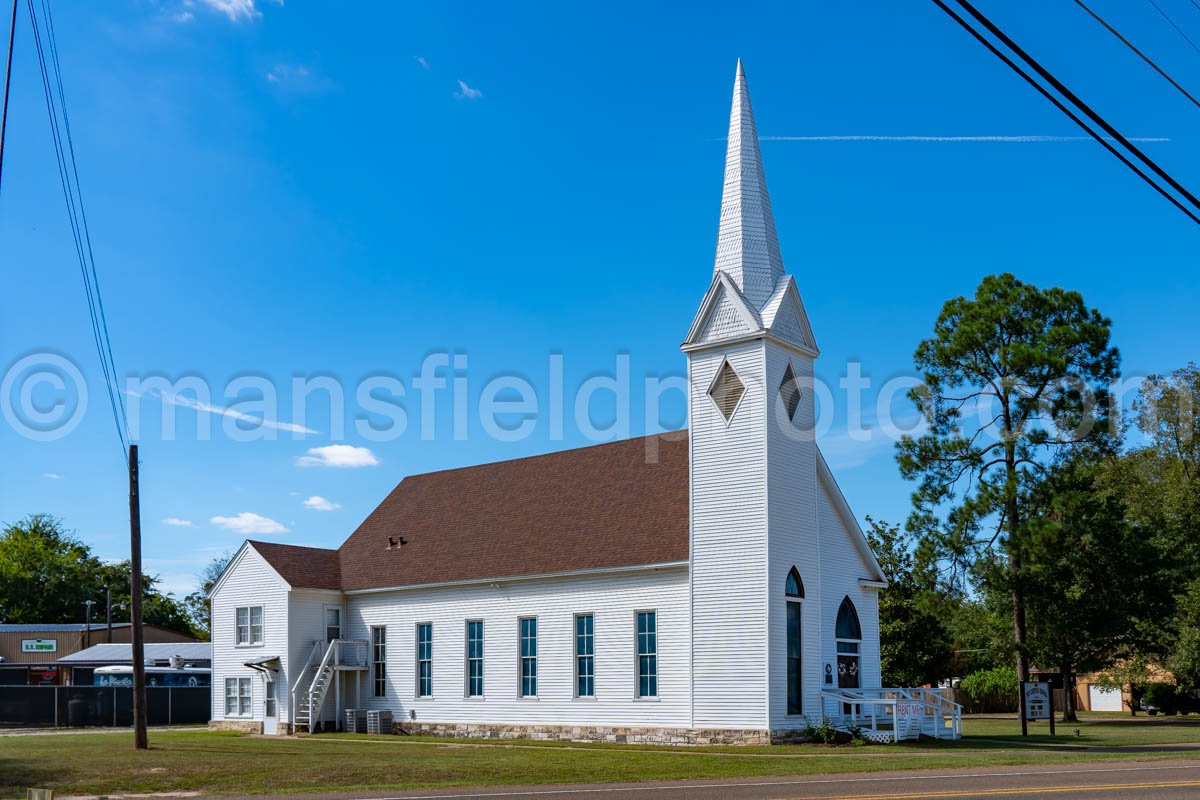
[
  {"x": 418, "y": 661},
  {"x": 242, "y": 694},
  {"x": 537, "y": 687},
  {"x": 467, "y": 659},
  {"x": 575, "y": 656},
  {"x": 378, "y": 665},
  {"x": 341, "y": 626},
  {"x": 637, "y": 657},
  {"x": 249, "y": 626}
]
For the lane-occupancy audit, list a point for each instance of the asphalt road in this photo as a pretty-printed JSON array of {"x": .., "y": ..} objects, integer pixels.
[{"x": 1150, "y": 780}]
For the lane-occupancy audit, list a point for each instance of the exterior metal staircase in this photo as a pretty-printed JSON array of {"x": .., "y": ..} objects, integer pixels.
[{"x": 319, "y": 675}]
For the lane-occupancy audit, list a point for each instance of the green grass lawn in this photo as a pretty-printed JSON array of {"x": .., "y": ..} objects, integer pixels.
[{"x": 224, "y": 763}]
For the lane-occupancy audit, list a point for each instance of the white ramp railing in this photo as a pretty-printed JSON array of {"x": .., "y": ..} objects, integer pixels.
[{"x": 894, "y": 714}]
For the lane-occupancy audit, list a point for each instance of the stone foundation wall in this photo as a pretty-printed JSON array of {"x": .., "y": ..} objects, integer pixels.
[
  {"x": 239, "y": 725},
  {"x": 598, "y": 733}
]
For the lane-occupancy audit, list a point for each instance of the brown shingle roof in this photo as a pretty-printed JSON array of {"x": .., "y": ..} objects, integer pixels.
[
  {"x": 302, "y": 567},
  {"x": 611, "y": 505}
]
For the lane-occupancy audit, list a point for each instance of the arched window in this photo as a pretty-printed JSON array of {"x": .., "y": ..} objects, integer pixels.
[
  {"x": 794, "y": 589},
  {"x": 795, "y": 586},
  {"x": 849, "y": 639},
  {"x": 847, "y": 622}
]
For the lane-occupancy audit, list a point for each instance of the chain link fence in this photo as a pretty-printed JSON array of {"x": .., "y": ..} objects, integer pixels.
[{"x": 101, "y": 706}]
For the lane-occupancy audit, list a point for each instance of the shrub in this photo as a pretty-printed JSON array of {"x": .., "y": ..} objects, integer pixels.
[
  {"x": 992, "y": 689},
  {"x": 1162, "y": 696},
  {"x": 823, "y": 732}
]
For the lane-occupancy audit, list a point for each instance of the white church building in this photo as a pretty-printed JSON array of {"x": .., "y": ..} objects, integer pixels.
[{"x": 705, "y": 586}]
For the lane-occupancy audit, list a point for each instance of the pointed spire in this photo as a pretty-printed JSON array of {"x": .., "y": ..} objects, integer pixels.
[{"x": 747, "y": 244}]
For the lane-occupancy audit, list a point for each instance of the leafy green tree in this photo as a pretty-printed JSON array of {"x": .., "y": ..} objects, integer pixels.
[
  {"x": 198, "y": 607},
  {"x": 1034, "y": 365},
  {"x": 47, "y": 573},
  {"x": 1092, "y": 578},
  {"x": 1130, "y": 672},
  {"x": 1159, "y": 484},
  {"x": 981, "y": 629},
  {"x": 1184, "y": 656},
  {"x": 915, "y": 645}
]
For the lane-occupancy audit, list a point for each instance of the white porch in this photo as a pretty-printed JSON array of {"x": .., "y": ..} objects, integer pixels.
[{"x": 893, "y": 715}]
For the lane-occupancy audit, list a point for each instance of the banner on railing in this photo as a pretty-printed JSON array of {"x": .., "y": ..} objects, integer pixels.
[{"x": 908, "y": 720}]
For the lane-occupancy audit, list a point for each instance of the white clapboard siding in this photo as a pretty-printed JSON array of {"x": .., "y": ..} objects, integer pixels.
[
  {"x": 306, "y": 614},
  {"x": 842, "y": 568},
  {"x": 728, "y": 543},
  {"x": 248, "y": 581},
  {"x": 794, "y": 539},
  {"x": 613, "y": 599}
]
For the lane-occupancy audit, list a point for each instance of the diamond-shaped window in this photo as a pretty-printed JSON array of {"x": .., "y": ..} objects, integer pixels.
[
  {"x": 726, "y": 391},
  {"x": 789, "y": 392}
]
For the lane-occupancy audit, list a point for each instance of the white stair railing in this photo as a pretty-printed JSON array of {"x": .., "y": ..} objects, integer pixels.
[
  {"x": 324, "y": 676},
  {"x": 303, "y": 678},
  {"x": 893, "y": 714}
]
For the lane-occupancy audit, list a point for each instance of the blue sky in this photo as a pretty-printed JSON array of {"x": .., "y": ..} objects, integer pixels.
[{"x": 331, "y": 190}]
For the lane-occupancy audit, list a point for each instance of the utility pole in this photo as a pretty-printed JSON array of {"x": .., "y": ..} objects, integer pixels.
[
  {"x": 135, "y": 605},
  {"x": 88, "y": 621},
  {"x": 108, "y": 611}
]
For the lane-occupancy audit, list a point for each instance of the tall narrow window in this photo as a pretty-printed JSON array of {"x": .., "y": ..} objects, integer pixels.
[
  {"x": 849, "y": 640},
  {"x": 379, "y": 660},
  {"x": 425, "y": 659},
  {"x": 333, "y": 624},
  {"x": 528, "y": 635},
  {"x": 585, "y": 661},
  {"x": 647, "y": 653},
  {"x": 475, "y": 658},
  {"x": 794, "y": 590}
]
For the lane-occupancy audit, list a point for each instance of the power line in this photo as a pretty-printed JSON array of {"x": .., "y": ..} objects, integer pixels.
[
  {"x": 69, "y": 179},
  {"x": 12, "y": 38},
  {"x": 1072, "y": 98},
  {"x": 1142, "y": 55},
  {"x": 1178, "y": 29},
  {"x": 53, "y": 40}
]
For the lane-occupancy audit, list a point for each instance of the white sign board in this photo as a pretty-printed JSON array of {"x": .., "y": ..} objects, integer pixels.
[
  {"x": 908, "y": 720},
  {"x": 1038, "y": 704},
  {"x": 39, "y": 646}
]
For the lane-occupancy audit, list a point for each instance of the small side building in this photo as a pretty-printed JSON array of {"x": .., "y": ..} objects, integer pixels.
[{"x": 30, "y": 653}]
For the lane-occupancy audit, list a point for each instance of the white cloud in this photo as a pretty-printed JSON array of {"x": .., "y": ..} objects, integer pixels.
[
  {"x": 282, "y": 73},
  {"x": 1007, "y": 139},
  {"x": 247, "y": 522},
  {"x": 338, "y": 455},
  {"x": 54, "y": 476},
  {"x": 183, "y": 17},
  {"x": 184, "y": 401},
  {"x": 176, "y": 522},
  {"x": 421, "y": 60},
  {"x": 318, "y": 503},
  {"x": 466, "y": 92},
  {"x": 235, "y": 10}
]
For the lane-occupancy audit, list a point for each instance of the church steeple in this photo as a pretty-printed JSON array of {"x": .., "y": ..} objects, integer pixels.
[{"x": 747, "y": 244}]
